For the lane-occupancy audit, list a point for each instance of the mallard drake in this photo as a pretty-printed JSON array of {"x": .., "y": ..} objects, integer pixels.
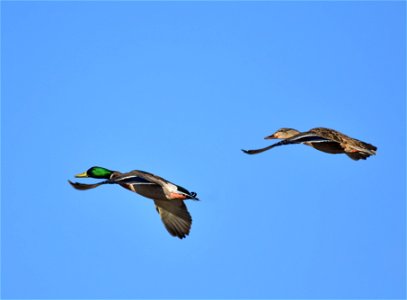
[
  {"x": 168, "y": 197},
  {"x": 323, "y": 139}
]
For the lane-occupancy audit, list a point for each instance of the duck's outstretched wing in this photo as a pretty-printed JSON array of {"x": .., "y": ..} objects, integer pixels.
[
  {"x": 297, "y": 139},
  {"x": 175, "y": 216},
  {"x": 84, "y": 186}
]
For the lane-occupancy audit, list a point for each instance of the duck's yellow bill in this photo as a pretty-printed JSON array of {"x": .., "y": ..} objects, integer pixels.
[{"x": 81, "y": 175}]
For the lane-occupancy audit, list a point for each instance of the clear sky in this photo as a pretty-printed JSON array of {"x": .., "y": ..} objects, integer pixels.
[{"x": 177, "y": 89}]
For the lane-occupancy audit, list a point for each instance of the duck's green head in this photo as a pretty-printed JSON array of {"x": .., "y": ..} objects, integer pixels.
[{"x": 96, "y": 172}]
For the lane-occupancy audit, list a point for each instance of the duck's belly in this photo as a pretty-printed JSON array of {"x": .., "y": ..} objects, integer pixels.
[
  {"x": 328, "y": 147},
  {"x": 149, "y": 191}
]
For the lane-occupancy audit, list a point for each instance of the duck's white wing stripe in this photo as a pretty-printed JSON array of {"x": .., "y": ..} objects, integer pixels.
[
  {"x": 131, "y": 179},
  {"x": 306, "y": 137}
]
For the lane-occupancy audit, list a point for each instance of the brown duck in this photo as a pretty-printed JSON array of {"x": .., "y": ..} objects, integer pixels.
[{"x": 323, "y": 139}]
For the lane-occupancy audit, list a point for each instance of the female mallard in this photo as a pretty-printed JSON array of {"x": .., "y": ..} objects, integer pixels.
[
  {"x": 322, "y": 139},
  {"x": 168, "y": 197}
]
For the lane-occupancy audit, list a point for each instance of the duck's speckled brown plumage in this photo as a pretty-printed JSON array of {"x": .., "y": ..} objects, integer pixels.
[{"x": 322, "y": 139}]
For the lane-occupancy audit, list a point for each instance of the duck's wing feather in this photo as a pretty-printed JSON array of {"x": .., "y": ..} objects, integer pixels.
[
  {"x": 256, "y": 151},
  {"x": 84, "y": 186},
  {"x": 297, "y": 139},
  {"x": 175, "y": 216}
]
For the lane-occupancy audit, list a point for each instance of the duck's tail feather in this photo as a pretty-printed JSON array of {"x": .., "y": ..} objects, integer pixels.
[{"x": 194, "y": 196}]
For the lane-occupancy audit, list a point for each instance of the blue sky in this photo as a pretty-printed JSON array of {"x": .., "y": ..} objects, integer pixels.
[{"x": 177, "y": 89}]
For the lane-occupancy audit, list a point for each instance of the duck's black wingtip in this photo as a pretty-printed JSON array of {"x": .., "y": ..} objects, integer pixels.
[
  {"x": 194, "y": 196},
  {"x": 247, "y": 151},
  {"x": 181, "y": 236}
]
